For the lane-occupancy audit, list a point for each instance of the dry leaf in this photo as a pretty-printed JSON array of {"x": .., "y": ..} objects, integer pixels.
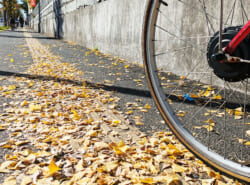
[{"x": 53, "y": 168}]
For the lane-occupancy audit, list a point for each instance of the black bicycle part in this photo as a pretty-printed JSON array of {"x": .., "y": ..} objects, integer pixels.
[{"x": 232, "y": 72}]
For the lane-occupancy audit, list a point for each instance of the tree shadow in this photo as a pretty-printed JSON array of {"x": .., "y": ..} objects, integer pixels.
[{"x": 58, "y": 28}]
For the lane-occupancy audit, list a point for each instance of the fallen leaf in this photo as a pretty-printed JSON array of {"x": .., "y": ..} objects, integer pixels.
[{"x": 53, "y": 168}]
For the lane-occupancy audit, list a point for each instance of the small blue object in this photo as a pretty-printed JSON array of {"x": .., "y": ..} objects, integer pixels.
[{"x": 187, "y": 97}]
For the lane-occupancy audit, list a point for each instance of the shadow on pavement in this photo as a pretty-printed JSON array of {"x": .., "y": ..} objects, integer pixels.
[{"x": 125, "y": 90}]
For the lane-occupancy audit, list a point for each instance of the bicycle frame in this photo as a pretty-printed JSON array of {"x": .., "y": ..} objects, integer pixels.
[{"x": 243, "y": 33}]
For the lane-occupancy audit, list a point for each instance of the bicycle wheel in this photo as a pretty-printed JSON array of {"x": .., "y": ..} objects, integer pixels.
[{"x": 206, "y": 104}]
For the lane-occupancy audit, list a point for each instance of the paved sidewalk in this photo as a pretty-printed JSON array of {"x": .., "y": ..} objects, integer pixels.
[
  {"x": 75, "y": 115},
  {"x": 101, "y": 71}
]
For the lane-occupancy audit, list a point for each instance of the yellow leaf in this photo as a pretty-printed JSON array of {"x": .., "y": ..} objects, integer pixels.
[
  {"x": 108, "y": 167},
  {"x": 12, "y": 60},
  {"x": 239, "y": 113},
  {"x": 31, "y": 84},
  {"x": 24, "y": 103},
  {"x": 47, "y": 122},
  {"x": 9, "y": 157},
  {"x": 247, "y": 143},
  {"x": 209, "y": 128},
  {"x": 218, "y": 97},
  {"x": 19, "y": 143},
  {"x": 40, "y": 94},
  {"x": 139, "y": 123},
  {"x": 129, "y": 112},
  {"x": 115, "y": 123},
  {"x": 165, "y": 139},
  {"x": 11, "y": 87},
  {"x": 2, "y": 128},
  {"x": 147, "y": 106},
  {"x": 119, "y": 149},
  {"x": 34, "y": 108},
  {"x": 229, "y": 111},
  {"x": 7, "y": 146},
  {"x": 177, "y": 168},
  {"x": 48, "y": 139},
  {"x": 208, "y": 92},
  {"x": 192, "y": 95},
  {"x": 173, "y": 150},
  {"x": 181, "y": 114},
  {"x": 33, "y": 170},
  {"x": 214, "y": 174},
  {"x": 42, "y": 154},
  {"x": 8, "y": 165},
  {"x": 147, "y": 180},
  {"x": 53, "y": 168},
  {"x": 209, "y": 121},
  {"x": 75, "y": 114},
  {"x": 92, "y": 133}
]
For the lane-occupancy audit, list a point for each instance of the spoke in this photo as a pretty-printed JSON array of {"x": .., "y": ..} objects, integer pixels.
[
  {"x": 197, "y": 9},
  {"x": 173, "y": 51},
  {"x": 225, "y": 121},
  {"x": 221, "y": 25},
  {"x": 231, "y": 14},
  {"x": 207, "y": 19},
  {"x": 191, "y": 37},
  {"x": 244, "y": 119},
  {"x": 187, "y": 42},
  {"x": 244, "y": 14}
]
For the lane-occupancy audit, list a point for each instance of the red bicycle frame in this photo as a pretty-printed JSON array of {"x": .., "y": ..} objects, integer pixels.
[{"x": 243, "y": 33}]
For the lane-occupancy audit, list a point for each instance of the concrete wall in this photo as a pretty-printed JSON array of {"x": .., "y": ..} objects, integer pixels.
[{"x": 114, "y": 26}]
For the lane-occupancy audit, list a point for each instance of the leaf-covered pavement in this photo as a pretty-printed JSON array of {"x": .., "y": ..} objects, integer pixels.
[{"x": 65, "y": 130}]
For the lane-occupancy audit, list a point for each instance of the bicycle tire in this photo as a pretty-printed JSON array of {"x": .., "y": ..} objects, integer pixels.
[{"x": 156, "y": 74}]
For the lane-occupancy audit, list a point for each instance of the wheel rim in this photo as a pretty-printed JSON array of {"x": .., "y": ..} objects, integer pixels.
[{"x": 217, "y": 113}]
